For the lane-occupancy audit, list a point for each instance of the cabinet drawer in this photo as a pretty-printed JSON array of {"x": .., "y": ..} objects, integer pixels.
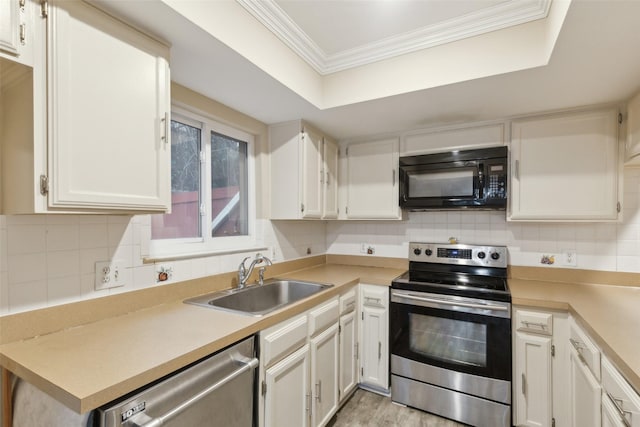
[
  {"x": 283, "y": 338},
  {"x": 375, "y": 296},
  {"x": 585, "y": 347},
  {"x": 624, "y": 398},
  {"x": 320, "y": 318},
  {"x": 534, "y": 321},
  {"x": 348, "y": 302}
]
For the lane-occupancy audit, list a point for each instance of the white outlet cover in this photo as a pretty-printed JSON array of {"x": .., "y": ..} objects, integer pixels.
[
  {"x": 109, "y": 274},
  {"x": 569, "y": 257}
]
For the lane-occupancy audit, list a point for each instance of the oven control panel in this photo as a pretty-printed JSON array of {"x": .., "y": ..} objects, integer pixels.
[{"x": 491, "y": 256}]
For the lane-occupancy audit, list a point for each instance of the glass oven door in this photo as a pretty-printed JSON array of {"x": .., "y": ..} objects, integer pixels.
[{"x": 456, "y": 333}]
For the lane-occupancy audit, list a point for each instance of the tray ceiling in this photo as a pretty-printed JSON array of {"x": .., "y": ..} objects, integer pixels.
[{"x": 333, "y": 36}]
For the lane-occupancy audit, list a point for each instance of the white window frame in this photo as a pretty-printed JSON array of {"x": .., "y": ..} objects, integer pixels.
[{"x": 162, "y": 248}]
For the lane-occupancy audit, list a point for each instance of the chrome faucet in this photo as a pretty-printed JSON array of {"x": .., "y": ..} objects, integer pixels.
[{"x": 244, "y": 273}]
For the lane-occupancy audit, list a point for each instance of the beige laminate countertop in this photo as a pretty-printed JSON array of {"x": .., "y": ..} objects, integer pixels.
[
  {"x": 91, "y": 364},
  {"x": 609, "y": 313},
  {"x": 87, "y": 366}
]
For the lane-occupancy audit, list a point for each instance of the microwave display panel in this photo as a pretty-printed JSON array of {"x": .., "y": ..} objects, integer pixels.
[{"x": 453, "y": 183}]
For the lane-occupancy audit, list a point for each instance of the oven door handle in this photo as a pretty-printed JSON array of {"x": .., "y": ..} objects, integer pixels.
[{"x": 447, "y": 302}]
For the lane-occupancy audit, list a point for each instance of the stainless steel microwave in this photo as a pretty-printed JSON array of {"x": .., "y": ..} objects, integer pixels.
[{"x": 468, "y": 179}]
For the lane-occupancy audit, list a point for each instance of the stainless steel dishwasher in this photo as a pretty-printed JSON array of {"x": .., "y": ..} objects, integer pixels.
[{"x": 216, "y": 391}]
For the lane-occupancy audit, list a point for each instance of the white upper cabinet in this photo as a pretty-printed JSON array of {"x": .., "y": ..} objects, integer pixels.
[
  {"x": 330, "y": 193},
  {"x": 98, "y": 132},
  {"x": 632, "y": 143},
  {"x": 452, "y": 138},
  {"x": 303, "y": 172},
  {"x": 16, "y": 30},
  {"x": 566, "y": 167},
  {"x": 372, "y": 180}
]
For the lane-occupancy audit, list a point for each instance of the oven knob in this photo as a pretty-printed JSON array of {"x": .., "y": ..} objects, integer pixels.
[
  {"x": 417, "y": 251},
  {"x": 495, "y": 256},
  {"x": 428, "y": 252},
  {"x": 481, "y": 255}
]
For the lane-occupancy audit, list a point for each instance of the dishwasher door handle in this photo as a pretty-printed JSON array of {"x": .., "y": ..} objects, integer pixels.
[{"x": 247, "y": 365}]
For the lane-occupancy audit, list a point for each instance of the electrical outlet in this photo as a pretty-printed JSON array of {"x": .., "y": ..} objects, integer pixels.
[
  {"x": 109, "y": 274},
  {"x": 363, "y": 248},
  {"x": 569, "y": 257}
]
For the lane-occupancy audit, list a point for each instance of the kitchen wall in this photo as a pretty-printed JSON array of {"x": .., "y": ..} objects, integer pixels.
[
  {"x": 48, "y": 260},
  {"x": 598, "y": 246}
]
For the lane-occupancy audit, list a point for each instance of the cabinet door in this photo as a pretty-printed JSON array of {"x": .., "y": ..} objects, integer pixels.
[
  {"x": 372, "y": 180},
  {"x": 532, "y": 382},
  {"x": 632, "y": 143},
  {"x": 324, "y": 376},
  {"x": 330, "y": 199},
  {"x": 565, "y": 167},
  {"x": 286, "y": 402},
  {"x": 108, "y": 113},
  {"x": 585, "y": 394},
  {"x": 374, "y": 337},
  {"x": 312, "y": 173},
  {"x": 348, "y": 356},
  {"x": 9, "y": 26}
]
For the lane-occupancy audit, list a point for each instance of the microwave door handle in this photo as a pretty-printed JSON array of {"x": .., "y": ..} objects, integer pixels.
[{"x": 481, "y": 181}]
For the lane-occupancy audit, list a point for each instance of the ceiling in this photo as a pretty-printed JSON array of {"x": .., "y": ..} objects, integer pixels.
[{"x": 230, "y": 56}]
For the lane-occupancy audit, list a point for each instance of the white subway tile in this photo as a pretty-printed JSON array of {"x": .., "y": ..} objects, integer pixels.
[
  {"x": 25, "y": 220},
  {"x": 25, "y": 239},
  {"x": 630, "y": 264},
  {"x": 63, "y": 290},
  {"x": 62, "y": 237},
  {"x": 27, "y": 296},
  {"x": 63, "y": 264},
  {"x": 93, "y": 236},
  {"x": 27, "y": 268}
]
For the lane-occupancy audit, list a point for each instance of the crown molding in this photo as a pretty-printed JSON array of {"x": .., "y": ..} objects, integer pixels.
[{"x": 493, "y": 18}]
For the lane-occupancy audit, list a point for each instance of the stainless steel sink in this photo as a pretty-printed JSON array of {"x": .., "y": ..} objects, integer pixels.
[{"x": 258, "y": 300}]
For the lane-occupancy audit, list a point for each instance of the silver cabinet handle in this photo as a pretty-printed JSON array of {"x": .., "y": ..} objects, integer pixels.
[
  {"x": 516, "y": 171},
  {"x": 167, "y": 127},
  {"x": 621, "y": 411},
  {"x": 379, "y": 350},
  {"x": 328, "y": 177},
  {"x": 321, "y": 176},
  {"x": 579, "y": 347},
  {"x": 524, "y": 384},
  {"x": 393, "y": 178},
  {"x": 247, "y": 365},
  {"x": 319, "y": 391},
  {"x": 538, "y": 324},
  {"x": 376, "y": 300}
]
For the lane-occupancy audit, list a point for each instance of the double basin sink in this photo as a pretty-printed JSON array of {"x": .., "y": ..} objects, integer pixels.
[{"x": 258, "y": 300}]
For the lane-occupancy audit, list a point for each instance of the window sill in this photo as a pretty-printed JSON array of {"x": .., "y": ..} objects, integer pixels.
[{"x": 190, "y": 255}]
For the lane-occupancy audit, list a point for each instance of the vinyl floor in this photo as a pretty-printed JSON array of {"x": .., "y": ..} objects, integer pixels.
[{"x": 366, "y": 409}]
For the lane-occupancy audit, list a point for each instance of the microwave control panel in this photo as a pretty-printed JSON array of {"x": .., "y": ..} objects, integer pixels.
[{"x": 496, "y": 188}]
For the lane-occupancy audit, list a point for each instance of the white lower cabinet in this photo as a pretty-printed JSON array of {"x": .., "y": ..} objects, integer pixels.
[
  {"x": 620, "y": 402},
  {"x": 324, "y": 376},
  {"x": 374, "y": 337},
  {"x": 585, "y": 394},
  {"x": 348, "y": 366},
  {"x": 286, "y": 403},
  {"x": 299, "y": 369},
  {"x": 533, "y": 382},
  {"x": 584, "y": 378},
  {"x": 539, "y": 367}
]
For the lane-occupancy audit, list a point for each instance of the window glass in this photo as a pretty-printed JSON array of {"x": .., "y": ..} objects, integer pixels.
[
  {"x": 213, "y": 195},
  {"x": 229, "y": 193},
  {"x": 184, "y": 219}
]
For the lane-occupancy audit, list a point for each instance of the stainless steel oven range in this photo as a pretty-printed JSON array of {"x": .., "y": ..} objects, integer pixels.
[{"x": 450, "y": 333}]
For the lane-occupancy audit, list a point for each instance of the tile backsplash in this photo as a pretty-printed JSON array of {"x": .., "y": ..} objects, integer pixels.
[
  {"x": 47, "y": 260},
  {"x": 598, "y": 246}
]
